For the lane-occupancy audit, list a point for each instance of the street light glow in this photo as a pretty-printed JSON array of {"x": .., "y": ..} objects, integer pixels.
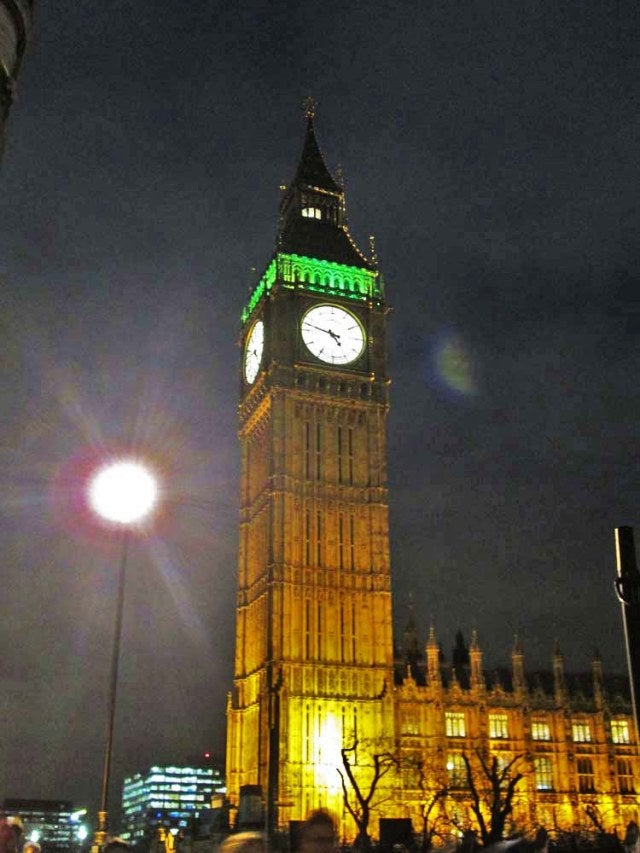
[{"x": 123, "y": 492}]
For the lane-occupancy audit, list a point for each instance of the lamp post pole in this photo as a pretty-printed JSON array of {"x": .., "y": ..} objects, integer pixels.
[
  {"x": 122, "y": 493},
  {"x": 101, "y": 832},
  {"x": 628, "y": 591}
]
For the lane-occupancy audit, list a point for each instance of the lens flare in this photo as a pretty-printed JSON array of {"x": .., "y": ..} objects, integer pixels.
[
  {"x": 455, "y": 367},
  {"x": 123, "y": 492}
]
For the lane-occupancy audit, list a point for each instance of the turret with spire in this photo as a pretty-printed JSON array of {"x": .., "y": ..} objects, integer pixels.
[
  {"x": 312, "y": 209},
  {"x": 596, "y": 675},
  {"x": 559, "y": 687},
  {"x": 475, "y": 657},
  {"x": 517, "y": 668},
  {"x": 434, "y": 677}
]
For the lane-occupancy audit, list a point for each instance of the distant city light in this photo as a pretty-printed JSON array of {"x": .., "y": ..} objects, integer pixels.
[{"x": 123, "y": 492}]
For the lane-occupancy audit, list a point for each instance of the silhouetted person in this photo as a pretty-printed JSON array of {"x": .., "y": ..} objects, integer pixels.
[
  {"x": 318, "y": 833},
  {"x": 7, "y": 837}
]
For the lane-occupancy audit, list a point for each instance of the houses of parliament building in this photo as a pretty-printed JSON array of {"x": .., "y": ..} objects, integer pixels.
[{"x": 316, "y": 677}]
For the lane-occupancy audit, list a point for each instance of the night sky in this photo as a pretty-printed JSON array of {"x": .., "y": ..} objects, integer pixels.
[{"x": 492, "y": 148}]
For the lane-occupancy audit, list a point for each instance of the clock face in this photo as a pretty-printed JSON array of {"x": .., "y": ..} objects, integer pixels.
[
  {"x": 253, "y": 352},
  {"x": 332, "y": 334}
]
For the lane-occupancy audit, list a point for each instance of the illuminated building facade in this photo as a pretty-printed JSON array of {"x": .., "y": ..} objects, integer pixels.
[
  {"x": 15, "y": 24},
  {"x": 171, "y": 797},
  {"x": 54, "y": 824},
  {"x": 571, "y": 736},
  {"x": 314, "y": 661}
]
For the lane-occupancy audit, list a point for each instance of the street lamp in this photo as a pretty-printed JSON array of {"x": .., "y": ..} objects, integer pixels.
[{"x": 122, "y": 493}]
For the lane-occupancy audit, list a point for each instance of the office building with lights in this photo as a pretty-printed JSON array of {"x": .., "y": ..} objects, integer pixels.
[
  {"x": 315, "y": 668},
  {"x": 169, "y": 796},
  {"x": 54, "y": 824}
]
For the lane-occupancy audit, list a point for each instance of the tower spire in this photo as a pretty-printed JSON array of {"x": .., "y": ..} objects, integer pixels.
[
  {"x": 309, "y": 105},
  {"x": 312, "y": 171}
]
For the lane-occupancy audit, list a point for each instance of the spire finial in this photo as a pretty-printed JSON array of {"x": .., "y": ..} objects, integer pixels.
[{"x": 309, "y": 105}]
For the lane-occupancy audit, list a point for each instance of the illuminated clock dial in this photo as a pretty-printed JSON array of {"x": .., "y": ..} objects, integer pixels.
[
  {"x": 253, "y": 352},
  {"x": 332, "y": 334}
]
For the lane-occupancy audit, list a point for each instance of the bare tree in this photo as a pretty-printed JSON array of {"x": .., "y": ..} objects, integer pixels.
[
  {"x": 432, "y": 817},
  {"x": 358, "y": 793},
  {"x": 492, "y": 787}
]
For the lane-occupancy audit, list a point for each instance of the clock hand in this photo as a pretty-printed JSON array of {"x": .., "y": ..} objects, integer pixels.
[{"x": 319, "y": 329}]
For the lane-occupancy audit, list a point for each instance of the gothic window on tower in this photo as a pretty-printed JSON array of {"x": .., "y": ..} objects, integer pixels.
[
  {"x": 307, "y": 450},
  {"x": 350, "y": 452},
  {"x": 454, "y": 725},
  {"x": 498, "y": 726},
  {"x": 620, "y": 731},
  {"x": 581, "y": 732},
  {"x": 318, "y": 449},
  {"x": 625, "y": 776},
  {"x": 345, "y": 455},
  {"x": 540, "y": 730},
  {"x": 352, "y": 543},
  {"x": 585, "y": 775},
  {"x": 353, "y": 632},
  {"x": 312, "y": 213},
  {"x": 341, "y": 540},
  {"x": 319, "y": 538},
  {"x": 543, "y": 771},
  {"x": 308, "y": 740},
  {"x": 307, "y": 629},
  {"x": 342, "y": 630},
  {"x": 307, "y": 537},
  {"x": 319, "y": 631}
]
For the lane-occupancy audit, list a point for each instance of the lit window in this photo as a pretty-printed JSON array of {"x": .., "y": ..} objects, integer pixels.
[
  {"x": 625, "y": 776},
  {"x": 544, "y": 774},
  {"x": 540, "y": 730},
  {"x": 409, "y": 721},
  {"x": 581, "y": 732},
  {"x": 312, "y": 213},
  {"x": 454, "y": 724},
  {"x": 585, "y": 776},
  {"x": 456, "y": 771},
  {"x": 498, "y": 726},
  {"x": 620, "y": 731}
]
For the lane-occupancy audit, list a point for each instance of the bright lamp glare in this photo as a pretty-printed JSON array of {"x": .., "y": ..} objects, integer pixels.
[{"x": 123, "y": 492}]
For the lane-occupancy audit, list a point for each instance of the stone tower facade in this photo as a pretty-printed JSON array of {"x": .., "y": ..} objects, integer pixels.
[{"x": 314, "y": 651}]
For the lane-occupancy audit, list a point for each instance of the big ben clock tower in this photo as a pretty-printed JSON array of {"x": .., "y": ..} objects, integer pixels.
[{"x": 314, "y": 655}]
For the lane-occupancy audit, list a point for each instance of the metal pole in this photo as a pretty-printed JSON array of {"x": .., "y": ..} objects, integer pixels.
[
  {"x": 101, "y": 832},
  {"x": 628, "y": 591}
]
